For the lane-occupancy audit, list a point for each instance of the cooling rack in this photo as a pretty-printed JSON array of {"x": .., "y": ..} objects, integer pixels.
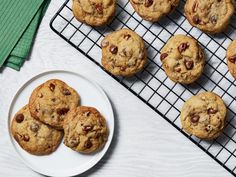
[{"x": 152, "y": 85}]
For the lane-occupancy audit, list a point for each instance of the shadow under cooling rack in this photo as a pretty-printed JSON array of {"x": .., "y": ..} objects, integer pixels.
[{"x": 152, "y": 85}]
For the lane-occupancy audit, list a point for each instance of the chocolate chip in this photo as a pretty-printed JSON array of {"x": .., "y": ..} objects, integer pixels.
[
  {"x": 52, "y": 87},
  {"x": 104, "y": 43},
  {"x": 194, "y": 118},
  {"x": 73, "y": 142},
  {"x": 177, "y": 69},
  {"x": 97, "y": 135},
  {"x": 40, "y": 95},
  {"x": 127, "y": 36},
  {"x": 87, "y": 128},
  {"x": 188, "y": 64},
  {"x": 211, "y": 111},
  {"x": 148, "y": 3},
  {"x": 53, "y": 99},
  {"x": 99, "y": 8},
  {"x": 232, "y": 59},
  {"x": 208, "y": 128},
  {"x": 87, "y": 113},
  {"x": 19, "y": 136},
  {"x": 213, "y": 19},
  {"x": 122, "y": 68},
  {"x": 66, "y": 91},
  {"x": 26, "y": 138},
  {"x": 19, "y": 118},
  {"x": 183, "y": 46},
  {"x": 34, "y": 127},
  {"x": 196, "y": 19},
  {"x": 113, "y": 49},
  {"x": 163, "y": 56},
  {"x": 88, "y": 144},
  {"x": 62, "y": 111}
]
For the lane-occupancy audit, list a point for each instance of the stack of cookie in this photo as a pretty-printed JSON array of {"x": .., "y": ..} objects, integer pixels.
[{"x": 54, "y": 107}]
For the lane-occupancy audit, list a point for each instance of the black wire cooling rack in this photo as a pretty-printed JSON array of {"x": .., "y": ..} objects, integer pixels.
[{"x": 152, "y": 85}]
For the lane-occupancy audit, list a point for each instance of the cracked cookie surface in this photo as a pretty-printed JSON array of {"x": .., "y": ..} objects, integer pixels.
[
  {"x": 51, "y": 101},
  {"x": 34, "y": 136},
  {"x": 123, "y": 53},
  {"x": 204, "y": 115},
  {"x": 153, "y": 10},
  {"x": 211, "y": 16},
  {"x": 94, "y": 12},
  {"x": 85, "y": 130},
  {"x": 231, "y": 58},
  {"x": 183, "y": 59}
]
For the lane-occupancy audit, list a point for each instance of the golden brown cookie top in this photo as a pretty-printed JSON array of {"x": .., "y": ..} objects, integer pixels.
[
  {"x": 123, "y": 52},
  {"x": 85, "y": 129},
  {"x": 153, "y": 10},
  {"x": 183, "y": 59},
  {"x": 34, "y": 136},
  {"x": 231, "y": 58},
  {"x": 51, "y": 101},
  {"x": 94, "y": 12},
  {"x": 211, "y": 16},
  {"x": 204, "y": 115}
]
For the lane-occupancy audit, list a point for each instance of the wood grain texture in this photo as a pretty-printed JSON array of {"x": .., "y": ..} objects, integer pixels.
[{"x": 144, "y": 143}]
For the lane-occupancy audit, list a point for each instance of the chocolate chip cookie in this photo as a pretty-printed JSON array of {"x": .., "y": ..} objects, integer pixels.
[
  {"x": 94, "y": 12},
  {"x": 85, "y": 130},
  {"x": 153, "y": 10},
  {"x": 183, "y": 59},
  {"x": 51, "y": 101},
  {"x": 34, "y": 136},
  {"x": 204, "y": 115},
  {"x": 123, "y": 53},
  {"x": 211, "y": 16},
  {"x": 231, "y": 58}
]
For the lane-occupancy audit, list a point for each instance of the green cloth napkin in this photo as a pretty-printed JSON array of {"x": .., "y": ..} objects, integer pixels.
[{"x": 20, "y": 22}]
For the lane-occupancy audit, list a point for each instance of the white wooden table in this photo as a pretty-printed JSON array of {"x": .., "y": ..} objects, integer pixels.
[{"x": 144, "y": 143}]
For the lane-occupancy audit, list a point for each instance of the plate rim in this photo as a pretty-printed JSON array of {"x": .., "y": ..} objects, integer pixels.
[{"x": 91, "y": 81}]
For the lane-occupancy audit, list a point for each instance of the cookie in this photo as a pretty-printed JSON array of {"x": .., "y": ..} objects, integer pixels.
[
  {"x": 50, "y": 102},
  {"x": 231, "y": 58},
  {"x": 153, "y": 10},
  {"x": 211, "y": 16},
  {"x": 94, "y": 12},
  {"x": 123, "y": 53},
  {"x": 183, "y": 59},
  {"x": 34, "y": 136},
  {"x": 85, "y": 130},
  {"x": 204, "y": 115}
]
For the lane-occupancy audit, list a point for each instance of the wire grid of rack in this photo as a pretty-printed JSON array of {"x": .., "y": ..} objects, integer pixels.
[{"x": 152, "y": 85}]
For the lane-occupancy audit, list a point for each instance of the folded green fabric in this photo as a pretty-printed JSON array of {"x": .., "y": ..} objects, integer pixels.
[{"x": 18, "y": 44}]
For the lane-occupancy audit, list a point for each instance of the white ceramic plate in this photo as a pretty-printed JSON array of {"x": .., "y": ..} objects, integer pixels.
[{"x": 64, "y": 161}]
